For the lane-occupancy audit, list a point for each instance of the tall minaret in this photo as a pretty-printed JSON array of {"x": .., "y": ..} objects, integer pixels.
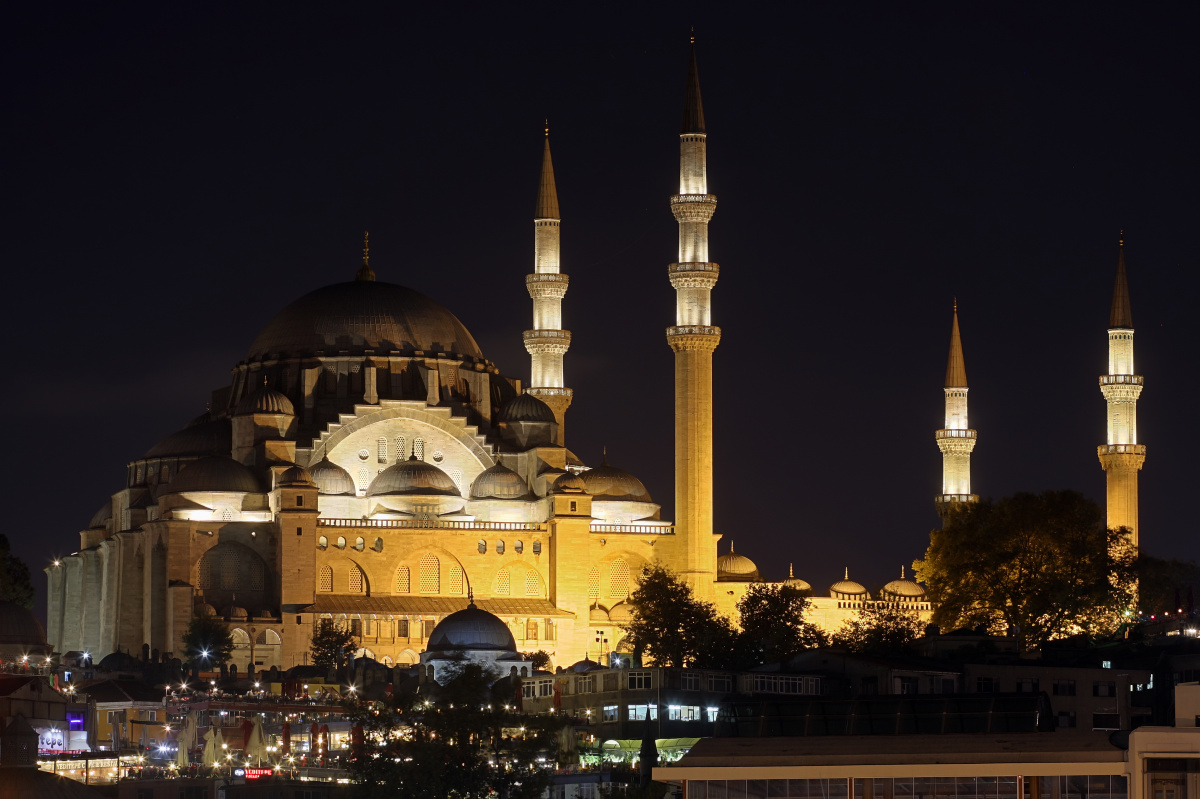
[
  {"x": 1122, "y": 456},
  {"x": 693, "y": 338},
  {"x": 548, "y": 342},
  {"x": 956, "y": 439}
]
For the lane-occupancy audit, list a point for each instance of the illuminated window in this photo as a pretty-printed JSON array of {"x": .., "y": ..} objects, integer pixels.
[
  {"x": 618, "y": 579},
  {"x": 499, "y": 547},
  {"x": 531, "y": 630},
  {"x": 356, "y": 579},
  {"x": 382, "y": 450},
  {"x": 518, "y": 547},
  {"x": 322, "y": 542},
  {"x": 431, "y": 580},
  {"x": 456, "y": 579},
  {"x": 226, "y": 515},
  {"x": 457, "y": 476},
  {"x": 641, "y": 712},
  {"x": 482, "y": 546},
  {"x": 419, "y": 449},
  {"x": 532, "y": 584},
  {"x": 326, "y": 578},
  {"x": 360, "y": 543},
  {"x": 341, "y": 542},
  {"x": 403, "y": 580},
  {"x": 503, "y": 582}
]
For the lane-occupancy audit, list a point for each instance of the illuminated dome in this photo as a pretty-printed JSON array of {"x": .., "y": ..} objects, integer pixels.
[
  {"x": 735, "y": 568},
  {"x": 296, "y": 475},
  {"x": 569, "y": 483},
  {"x": 903, "y": 590},
  {"x": 200, "y": 437},
  {"x": 413, "y": 477},
  {"x": 848, "y": 589},
  {"x": 610, "y": 483},
  {"x": 526, "y": 408},
  {"x": 471, "y": 628},
  {"x": 364, "y": 315},
  {"x": 331, "y": 478},
  {"x": 498, "y": 482},
  {"x": 214, "y": 474},
  {"x": 793, "y": 581},
  {"x": 265, "y": 400}
]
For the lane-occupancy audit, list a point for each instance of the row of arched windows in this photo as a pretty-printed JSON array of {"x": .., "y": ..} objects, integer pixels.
[
  {"x": 518, "y": 547},
  {"x": 381, "y": 449},
  {"x": 360, "y": 543},
  {"x": 429, "y": 580}
]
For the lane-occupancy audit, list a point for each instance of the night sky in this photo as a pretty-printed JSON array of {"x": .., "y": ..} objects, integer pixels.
[{"x": 174, "y": 177}]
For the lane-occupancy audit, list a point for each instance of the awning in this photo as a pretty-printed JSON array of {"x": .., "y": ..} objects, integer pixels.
[{"x": 432, "y": 606}]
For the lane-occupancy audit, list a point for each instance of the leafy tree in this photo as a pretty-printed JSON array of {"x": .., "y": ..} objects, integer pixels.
[
  {"x": 332, "y": 643},
  {"x": 674, "y": 628},
  {"x": 1163, "y": 584},
  {"x": 880, "y": 629},
  {"x": 15, "y": 583},
  {"x": 1039, "y": 566},
  {"x": 539, "y": 660},
  {"x": 773, "y": 625},
  {"x": 207, "y": 642}
]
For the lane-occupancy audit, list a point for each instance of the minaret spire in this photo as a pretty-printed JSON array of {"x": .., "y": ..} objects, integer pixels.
[
  {"x": 956, "y": 440},
  {"x": 693, "y": 339},
  {"x": 365, "y": 272},
  {"x": 1122, "y": 457},
  {"x": 547, "y": 342}
]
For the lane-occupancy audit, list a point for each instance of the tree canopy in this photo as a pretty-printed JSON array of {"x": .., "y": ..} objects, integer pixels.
[
  {"x": 674, "y": 628},
  {"x": 15, "y": 583},
  {"x": 1164, "y": 584},
  {"x": 1038, "y": 566},
  {"x": 880, "y": 628},
  {"x": 332, "y": 643},
  {"x": 207, "y": 642},
  {"x": 773, "y": 625}
]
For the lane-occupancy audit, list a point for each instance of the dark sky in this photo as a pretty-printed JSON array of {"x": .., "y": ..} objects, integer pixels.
[{"x": 175, "y": 176}]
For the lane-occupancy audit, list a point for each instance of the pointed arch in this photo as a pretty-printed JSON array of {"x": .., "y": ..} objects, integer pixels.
[{"x": 403, "y": 580}]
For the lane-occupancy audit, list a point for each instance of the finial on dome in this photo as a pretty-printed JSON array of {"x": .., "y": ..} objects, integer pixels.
[
  {"x": 470, "y": 597},
  {"x": 365, "y": 272},
  {"x": 791, "y": 575},
  {"x": 902, "y": 577},
  {"x": 847, "y": 577},
  {"x": 693, "y": 37},
  {"x": 604, "y": 455},
  {"x": 547, "y": 127},
  {"x": 1121, "y": 238},
  {"x": 731, "y": 546},
  {"x": 413, "y": 456},
  {"x": 264, "y": 381},
  {"x": 956, "y": 304}
]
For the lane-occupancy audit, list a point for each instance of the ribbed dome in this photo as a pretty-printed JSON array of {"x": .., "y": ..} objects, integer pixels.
[
  {"x": 526, "y": 408},
  {"x": 296, "y": 475},
  {"x": 904, "y": 589},
  {"x": 198, "y": 438},
  {"x": 570, "y": 483},
  {"x": 471, "y": 628},
  {"x": 413, "y": 477},
  {"x": 265, "y": 400},
  {"x": 100, "y": 517},
  {"x": 735, "y": 568},
  {"x": 364, "y": 315},
  {"x": 20, "y": 626},
  {"x": 498, "y": 482},
  {"x": 331, "y": 478},
  {"x": 611, "y": 483},
  {"x": 848, "y": 589},
  {"x": 793, "y": 581},
  {"x": 214, "y": 474}
]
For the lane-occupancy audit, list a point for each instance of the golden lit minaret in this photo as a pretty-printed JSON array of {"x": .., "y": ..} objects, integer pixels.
[
  {"x": 693, "y": 338},
  {"x": 1122, "y": 456},
  {"x": 956, "y": 439},
  {"x": 548, "y": 342}
]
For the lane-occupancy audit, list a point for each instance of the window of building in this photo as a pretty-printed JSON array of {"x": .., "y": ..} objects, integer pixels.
[
  {"x": 1106, "y": 721},
  {"x": 532, "y": 584},
  {"x": 618, "y": 579},
  {"x": 641, "y": 679},
  {"x": 1066, "y": 719},
  {"x": 299, "y": 500},
  {"x": 585, "y": 684},
  {"x": 152, "y": 715},
  {"x": 906, "y": 685},
  {"x": 594, "y": 584},
  {"x": 403, "y": 580},
  {"x": 689, "y": 681},
  {"x": 518, "y": 547},
  {"x": 456, "y": 579},
  {"x": 341, "y": 542},
  {"x": 457, "y": 476},
  {"x": 869, "y": 686},
  {"x": 684, "y": 713},
  {"x": 986, "y": 685},
  {"x": 431, "y": 578},
  {"x": 360, "y": 543},
  {"x": 1028, "y": 685},
  {"x": 574, "y": 506},
  {"x": 370, "y": 625},
  {"x": 326, "y": 578},
  {"x": 643, "y": 712},
  {"x": 364, "y": 478},
  {"x": 427, "y": 626},
  {"x": 322, "y": 542},
  {"x": 545, "y": 687},
  {"x": 720, "y": 683},
  {"x": 499, "y": 547},
  {"x": 503, "y": 582},
  {"x": 531, "y": 630},
  {"x": 356, "y": 579},
  {"x": 382, "y": 447},
  {"x": 710, "y": 713},
  {"x": 482, "y": 547},
  {"x": 419, "y": 449},
  {"x": 356, "y": 626},
  {"x": 537, "y": 547},
  {"x": 608, "y": 713},
  {"x": 1100, "y": 688},
  {"x": 401, "y": 628},
  {"x": 400, "y": 448},
  {"x": 378, "y": 544}
]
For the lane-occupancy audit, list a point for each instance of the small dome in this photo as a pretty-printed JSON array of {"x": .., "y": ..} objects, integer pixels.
[
  {"x": 903, "y": 589},
  {"x": 214, "y": 474},
  {"x": 119, "y": 661},
  {"x": 101, "y": 517},
  {"x": 569, "y": 483},
  {"x": 616, "y": 485},
  {"x": 265, "y": 400},
  {"x": 296, "y": 475},
  {"x": 848, "y": 589},
  {"x": 413, "y": 477},
  {"x": 331, "y": 478},
  {"x": 19, "y": 626},
  {"x": 498, "y": 482},
  {"x": 198, "y": 438},
  {"x": 793, "y": 581},
  {"x": 471, "y": 628},
  {"x": 735, "y": 568},
  {"x": 585, "y": 665},
  {"x": 526, "y": 408}
]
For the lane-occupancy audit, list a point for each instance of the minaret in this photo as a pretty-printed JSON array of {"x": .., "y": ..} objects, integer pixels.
[
  {"x": 1122, "y": 456},
  {"x": 548, "y": 342},
  {"x": 693, "y": 338},
  {"x": 955, "y": 439}
]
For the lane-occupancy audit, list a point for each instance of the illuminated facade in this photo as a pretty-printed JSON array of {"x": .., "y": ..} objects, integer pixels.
[{"x": 956, "y": 439}]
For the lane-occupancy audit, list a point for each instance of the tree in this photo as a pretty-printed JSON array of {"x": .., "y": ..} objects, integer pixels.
[
  {"x": 539, "y": 660},
  {"x": 15, "y": 583},
  {"x": 207, "y": 642},
  {"x": 1163, "y": 584},
  {"x": 773, "y": 625},
  {"x": 1039, "y": 566},
  {"x": 880, "y": 628},
  {"x": 674, "y": 628},
  {"x": 331, "y": 642}
]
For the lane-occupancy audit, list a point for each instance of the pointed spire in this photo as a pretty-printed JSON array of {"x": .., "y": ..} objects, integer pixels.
[
  {"x": 365, "y": 272},
  {"x": 847, "y": 577},
  {"x": 693, "y": 107},
  {"x": 902, "y": 571},
  {"x": 547, "y": 201},
  {"x": 791, "y": 576},
  {"x": 604, "y": 456},
  {"x": 1121, "y": 315},
  {"x": 470, "y": 597},
  {"x": 956, "y": 369},
  {"x": 731, "y": 546}
]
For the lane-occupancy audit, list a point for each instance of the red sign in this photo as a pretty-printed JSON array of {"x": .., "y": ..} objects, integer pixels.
[{"x": 255, "y": 773}]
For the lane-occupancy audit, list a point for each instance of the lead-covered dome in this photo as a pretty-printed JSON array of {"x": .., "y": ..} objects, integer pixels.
[
  {"x": 331, "y": 478},
  {"x": 793, "y": 581},
  {"x": 526, "y": 408},
  {"x": 214, "y": 474},
  {"x": 471, "y": 628},
  {"x": 903, "y": 590},
  {"x": 735, "y": 568},
  {"x": 499, "y": 482},
  {"x": 200, "y": 437},
  {"x": 364, "y": 315},
  {"x": 18, "y": 626},
  {"x": 265, "y": 400},
  {"x": 413, "y": 477},
  {"x": 296, "y": 475},
  {"x": 848, "y": 589},
  {"x": 569, "y": 483},
  {"x": 610, "y": 483}
]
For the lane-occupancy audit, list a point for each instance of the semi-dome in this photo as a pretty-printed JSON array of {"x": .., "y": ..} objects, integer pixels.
[
  {"x": 265, "y": 400},
  {"x": 214, "y": 474},
  {"x": 793, "y": 581},
  {"x": 331, "y": 478},
  {"x": 413, "y": 477},
  {"x": 213, "y": 437},
  {"x": 471, "y": 628},
  {"x": 100, "y": 517},
  {"x": 569, "y": 483},
  {"x": 610, "y": 483},
  {"x": 364, "y": 315},
  {"x": 735, "y": 568},
  {"x": 848, "y": 589},
  {"x": 904, "y": 589},
  {"x": 498, "y": 482},
  {"x": 18, "y": 626},
  {"x": 295, "y": 475},
  {"x": 526, "y": 408}
]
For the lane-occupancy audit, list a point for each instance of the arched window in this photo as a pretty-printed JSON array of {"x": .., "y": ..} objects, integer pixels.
[
  {"x": 403, "y": 580},
  {"x": 499, "y": 547},
  {"x": 356, "y": 579},
  {"x": 537, "y": 547},
  {"x": 503, "y": 582},
  {"x": 166, "y": 473},
  {"x": 204, "y": 578},
  {"x": 419, "y": 449},
  {"x": 431, "y": 579},
  {"x": 326, "y": 578},
  {"x": 594, "y": 584},
  {"x": 322, "y": 542},
  {"x": 518, "y": 547},
  {"x": 228, "y": 567},
  {"x": 341, "y": 542},
  {"x": 382, "y": 450},
  {"x": 532, "y": 584},
  {"x": 360, "y": 543},
  {"x": 456, "y": 579},
  {"x": 400, "y": 454},
  {"x": 618, "y": 579},
  {"x": 531, "y": 630},
  {"x": 482, "y": 547}
]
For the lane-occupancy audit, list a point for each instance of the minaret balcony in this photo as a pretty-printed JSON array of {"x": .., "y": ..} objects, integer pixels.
[
  {"x": 1120, "y": 380},
  {"x": 693, "y": 207},
  {"x": 1121, "y": 449},
  {"x": 547, "y": 285},
  {"x": 941, "y": 434},
  {"x": 553, "y": 341}
]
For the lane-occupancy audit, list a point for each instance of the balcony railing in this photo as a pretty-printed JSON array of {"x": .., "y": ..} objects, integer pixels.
[
  {"x": 955, "y": 434},
  {"x": 693, "y": 330},
  {"x": 1121, "y": 449},
  {"x": 682, "y": 199},
  {"x": 694, "y": 266},
  {"x": 637, "y": 529},
  {"x": 562, "y": 334},
  {"x": 431, "y": 524},
  {"x": 1117, "y": 380}
]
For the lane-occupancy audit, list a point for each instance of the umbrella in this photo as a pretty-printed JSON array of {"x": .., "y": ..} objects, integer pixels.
[
  {"x": 325, "y": 740},
  {"x": 312, "y": 738},
  {"x": 285, "y": 745},
  {"x": 219, "y": 747},
  {"x": 247, "y": 728},
  {"x": 210, "y": 747},
  {"x": 184, "y": 740},
  {"x": 257, "y": 745}
]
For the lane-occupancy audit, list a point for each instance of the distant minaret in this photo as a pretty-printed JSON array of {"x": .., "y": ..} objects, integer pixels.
[
  {"x": 1122, "y": 456},
  {"x": 548, "y": 342},
  {"x": 956, "y": 439},
  {"x": 693, "y": 338}
]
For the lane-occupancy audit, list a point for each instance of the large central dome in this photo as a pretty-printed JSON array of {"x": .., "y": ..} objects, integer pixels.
[{"x": 364, "y": 315}]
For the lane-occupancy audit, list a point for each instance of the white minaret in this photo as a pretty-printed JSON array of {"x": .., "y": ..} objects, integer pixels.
[
  {"x": 547, "y": 343},
  {"x": 956, "y": 439},
  {"x": 1122, "y": 457},
  {"x": 693, "y": 339}
]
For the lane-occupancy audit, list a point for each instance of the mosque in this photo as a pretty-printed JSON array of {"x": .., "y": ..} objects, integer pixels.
[{"x": 368, "y": 464}]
